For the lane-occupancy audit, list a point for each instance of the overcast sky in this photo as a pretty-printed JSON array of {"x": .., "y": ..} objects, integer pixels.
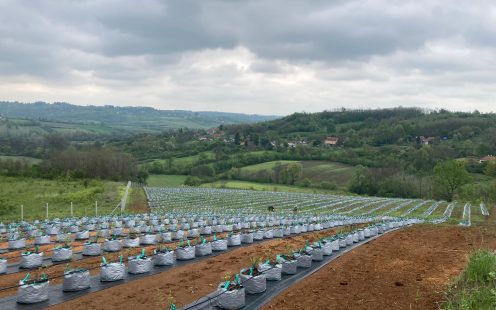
[{"x": 264, "y": 57}]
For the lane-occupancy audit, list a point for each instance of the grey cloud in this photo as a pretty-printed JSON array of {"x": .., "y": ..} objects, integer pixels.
[{"x": 216, "y": 52}]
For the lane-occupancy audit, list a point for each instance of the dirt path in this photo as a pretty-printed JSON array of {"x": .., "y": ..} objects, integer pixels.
[
  {"x": 408, "y": 269},
  {"x": 187, "y": 283}
]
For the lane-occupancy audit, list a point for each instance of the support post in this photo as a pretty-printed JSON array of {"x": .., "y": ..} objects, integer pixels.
[
  {"x": 22, "y": 213},
  {"x": 46, "y": 211},
  {"x": 72, "y": 214},
  {"x": 96, "y": 208}
]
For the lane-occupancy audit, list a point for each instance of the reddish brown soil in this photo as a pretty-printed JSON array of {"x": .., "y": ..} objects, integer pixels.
[
  {"x": 187, "y": 283},
  {"x": 408, "y": 269}
]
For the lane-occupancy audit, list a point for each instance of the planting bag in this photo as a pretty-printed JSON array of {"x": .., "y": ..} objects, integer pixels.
[
  {"x": 219, "y": 245},
  {"x": 82, "y": 235},
  {"x": 269, "y": 234},
  {"x": 230, "y": 300},
  {"x": 278, "y": 233},
  {"x": 253, "y": 285},
  {"x": 289, "y": 266},
  {"x": 234, "y": 240},
  {"x": 335, "y": 245},
  {"x": 304, "y": 261},
  {"x": 118, "y": 231},
  {"x": 185, "y": 253},
  {"x": 53, "y": 231},
  {"x": 112, "y": 245},
  {"x": 137, "y": 266},
  {"x": 62, "y": 237},
  {"x": 179, "y": 234},
  {"x": 164, "y": 259},
  {"x": 131, "y": 243},
  {"x": 193, "y": 233},
  {"x": 148, "y": 239},
  {"x": 203, "y": 249},
  {"x": 33, "y": 260},
  {"x": 76, "y": 281},
  {"x": 317, "y": 254},
  {"x": 258, "y": 235},
  {"x": 62, "y": 254},
  {"x": 272, "y": 273},
  {"x": 349, "y": 240},
  {"x": 3, "y": 266},
  {"x": 17, "y": 244},
  {"x": 92, "y": 249},
  {"x": 247, "y": 238},
  {"x": 207, "y": 230},
  {"x": 327, "y": 249},
  {"x": 166, "y": 237},
  {"x": 39, "y": 240},
  {"x": 112, "y": 272},
  {"x": 32, "y": 293}
]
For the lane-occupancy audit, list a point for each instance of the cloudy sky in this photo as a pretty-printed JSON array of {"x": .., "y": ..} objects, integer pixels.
[{"x": 265, "y": 57}]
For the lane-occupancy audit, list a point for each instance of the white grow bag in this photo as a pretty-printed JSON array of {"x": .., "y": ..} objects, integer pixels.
[
  {"x": 219, "y": 245},
  {"x": 112, "y": 272},
  {"x": 3, "y": 265},
  {"x": 139, "y": 265},
  {"x": 92, "y": 249},
  {"x": 234, "y": 240},
  {"x": 253, "y": 285},
  {"x": 61, "y": 254},
  {"x": 17, "y": 244},
  {"x": 39, "y": 240},
  {"x": 32, "y": 260},
  {"x": 272, "y": 273},
  {"x": 32, "y": 293},
  {"x": 185, "y": 253},
  {"x": 203, "y": 249},
  {"x": 131, "y": 242},
  {"x": 230, "y": 300},
  {"x": 76, "y": 281},
  {"x": 164, "y": 259}
]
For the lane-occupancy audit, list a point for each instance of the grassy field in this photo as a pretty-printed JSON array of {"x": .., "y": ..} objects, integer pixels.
[
  {"x": 30, "y": 160},
  {"x": 313, "y": 170},
  {"x": 33, "y": 194},
  {"x": 161, "y": 180},
  {"x": 475, "y": 288},
  {"x": 266, "y": 187}
]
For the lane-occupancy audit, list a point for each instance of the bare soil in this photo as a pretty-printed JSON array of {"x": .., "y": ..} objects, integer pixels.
[
  {"x": 186, "y": 283},
  {"x": 408, "y": 269}
]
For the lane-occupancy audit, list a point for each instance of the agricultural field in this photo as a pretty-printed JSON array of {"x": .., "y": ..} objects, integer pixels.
[
  {"x": 176, "y": 234},
  {"x": 256, "y": 186},
  {"x": 162, "y": 180},
  {"x": 313, "y": 170}
]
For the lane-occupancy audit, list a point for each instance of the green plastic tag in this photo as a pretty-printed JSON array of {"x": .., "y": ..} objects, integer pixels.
[
  {"x": 215, "y": 237},
  {"x": 104, "y": 260},
  {"x": 227, "y": 284}
]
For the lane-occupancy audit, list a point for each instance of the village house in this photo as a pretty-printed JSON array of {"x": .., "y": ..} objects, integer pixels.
[
  {"x": 487, "y": 158},
  {"x": 426, "y": 140},
  {"x": 331, "y": 141}
]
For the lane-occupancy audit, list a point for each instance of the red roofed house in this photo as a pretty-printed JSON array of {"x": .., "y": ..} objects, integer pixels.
[
  {"x": 487, "y": 158},
  {"x": 332, "y": 141}
]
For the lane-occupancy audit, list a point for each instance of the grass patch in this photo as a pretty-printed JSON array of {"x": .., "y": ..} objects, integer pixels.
[
  {"x": 316, "y": 171},
  {"x": 475, "y": 288},
  {"x": 34, "y": 194},
  {"x": 266, "y": 187},
  {"x": 162, "y": 180}
]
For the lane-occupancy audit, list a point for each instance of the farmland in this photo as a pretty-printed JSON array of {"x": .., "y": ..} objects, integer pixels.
[
  {"x": 207, "y": 219},
  {"x": 314, "y": 171}
]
